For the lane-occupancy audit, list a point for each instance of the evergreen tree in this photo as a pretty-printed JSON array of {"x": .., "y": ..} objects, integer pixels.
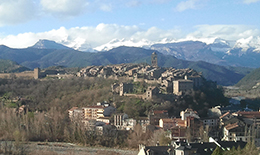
[{"x": 217, "y": 151}]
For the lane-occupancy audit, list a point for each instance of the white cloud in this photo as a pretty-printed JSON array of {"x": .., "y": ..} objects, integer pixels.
[
  {"x": 250, "y": 1},
  {"x": 86, "y": 37},
  {"x": 189, "y": 4},
  {"x": 64, "y": 8},
  {"x": 91, "y": 37},
  {"x": 16, "y": 11},
  {"x": 227, "y": 32}
]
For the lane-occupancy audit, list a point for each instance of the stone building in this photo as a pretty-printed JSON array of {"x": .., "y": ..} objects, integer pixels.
[
  {"x": 126, "y": 88},
  {"x": 151, "y": 92},
  {"x": 181, "y": 86}
]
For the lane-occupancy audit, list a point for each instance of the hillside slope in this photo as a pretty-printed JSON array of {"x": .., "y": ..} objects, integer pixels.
[
  {"x": 250, "y": 79},
  {"x": 8, "y": 66},
  {"x": 43, "y": 58}
]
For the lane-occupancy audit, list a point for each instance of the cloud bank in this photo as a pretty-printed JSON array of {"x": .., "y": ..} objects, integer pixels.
[
  {"x": 83, "y": 38},
  {"x": 16, "y": 11},
  {"x": 64, "y": 8}
]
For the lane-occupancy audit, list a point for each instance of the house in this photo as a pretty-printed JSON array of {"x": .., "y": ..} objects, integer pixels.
[
  {"x": 168, "y": 123},
  {"x": 156, "y": 115},
  {"x": 205, "y": 148},
  {"x": 101, "y": 110},
  {"x": 189, "y": 112},
  {"x": 94, "y": 112},
  {"x": 75, "y": 114},
  {"x": 184, "y": 148},
  {"x": 119, "y": 120},
  {"x": 210, "y": 121},
  {"x": 156, "y": 150},
  {"x": 243, "y": 125},
  {"x": 234, "y": 132},
  {"x": 213, "y": 125},
  {"x": 151, "y": 92},
  {"x": 125, "y": 88},
  {"x": 182, "y": 85},
  {"x": 71, "y": 112}
]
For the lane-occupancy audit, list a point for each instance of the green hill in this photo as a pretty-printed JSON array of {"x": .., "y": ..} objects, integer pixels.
[
  {"x": 250, "y": 79},
  {"x": 8, "y": 66}
]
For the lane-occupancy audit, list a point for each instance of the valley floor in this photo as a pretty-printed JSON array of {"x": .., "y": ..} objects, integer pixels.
[{"x": 55, "y": 148}]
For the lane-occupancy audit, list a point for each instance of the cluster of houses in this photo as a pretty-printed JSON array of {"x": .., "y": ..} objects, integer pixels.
[
  {"x": 225, "y": 129},
  {"x": 170, "y": 80},
  {"x": 227, "y": 126}
]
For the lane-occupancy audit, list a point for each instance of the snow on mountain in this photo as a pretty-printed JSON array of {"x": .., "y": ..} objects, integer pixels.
[
  {"x": 246, "y": 43},
  {"x": 79, "y": 44},
  {"x": 220, "y": 45},
  {"x": 123, "y": 42},
  {"x": 215, "y": 44},
  {"x": 221, "y": 42}
]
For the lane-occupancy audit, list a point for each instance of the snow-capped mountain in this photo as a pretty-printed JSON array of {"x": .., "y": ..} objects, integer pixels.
[
  {"x": 123, "y": 42},
  {"x": 242, "y": 52},
  {"x": 220, "y": 45},
  {"x": 246, "y": 43}
]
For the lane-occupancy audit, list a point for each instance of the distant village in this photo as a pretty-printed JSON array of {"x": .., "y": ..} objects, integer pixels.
[{"x": 190, "y": 133}]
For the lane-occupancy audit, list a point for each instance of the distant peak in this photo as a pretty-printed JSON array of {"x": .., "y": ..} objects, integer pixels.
[{"x": 48, "y": 44}]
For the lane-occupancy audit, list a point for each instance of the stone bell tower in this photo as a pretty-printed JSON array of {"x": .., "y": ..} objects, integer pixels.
[{"x": 154, "y": 59}]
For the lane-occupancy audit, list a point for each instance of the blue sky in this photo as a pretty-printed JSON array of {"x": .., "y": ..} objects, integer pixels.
[{"x": 96, "y": 22}]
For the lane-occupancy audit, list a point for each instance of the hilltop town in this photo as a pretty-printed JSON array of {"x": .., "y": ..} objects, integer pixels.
[
  {"x": 224, "y": 127},
  {"x": 146, "y": 107}
]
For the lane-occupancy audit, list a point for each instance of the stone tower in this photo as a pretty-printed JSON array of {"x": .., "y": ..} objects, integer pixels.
[
  {"x": 154, "y": 59},
  {"x": 37, "y": 73}
]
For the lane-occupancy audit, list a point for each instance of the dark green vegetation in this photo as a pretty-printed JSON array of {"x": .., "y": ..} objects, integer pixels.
[
  {"x": 8, "y": 66},
  {"x": 43, "y": 58},
  {"x": 48, "y": 101},
  {"x": 249, "y": 149}
]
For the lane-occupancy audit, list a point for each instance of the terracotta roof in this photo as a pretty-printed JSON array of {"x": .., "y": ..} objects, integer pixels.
[
  {"x": 177, "y": 121},
  {"x": 224, "y": 115},
  {"x": 231, "y": 126},
  {"x": 94, "y": 107},
  {"x": 73, "y": 108},
  {"x": 249, "y": 114},
  {"x": 160, "y": 111}
]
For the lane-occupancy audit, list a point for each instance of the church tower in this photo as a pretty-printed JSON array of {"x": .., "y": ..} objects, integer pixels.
[{"x": 154, "y": 59}]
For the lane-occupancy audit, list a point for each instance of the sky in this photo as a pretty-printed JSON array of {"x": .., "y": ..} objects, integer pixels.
[{"x": 91, "y": 23}]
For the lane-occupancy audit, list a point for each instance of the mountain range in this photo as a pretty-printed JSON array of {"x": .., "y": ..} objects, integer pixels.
[
  {"x": 243, "y": 52},
  {"x": 48, "y": 53}
]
